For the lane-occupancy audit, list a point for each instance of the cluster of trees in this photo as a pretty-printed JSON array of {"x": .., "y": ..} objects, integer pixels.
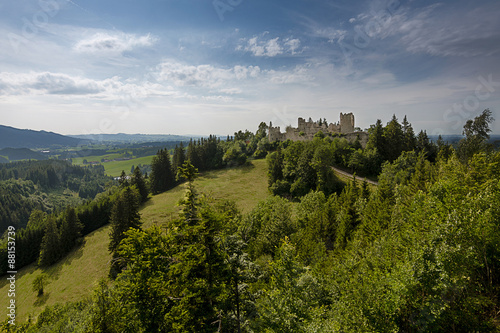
[
  {"x": 207, "y": 154},
  {"x": 303, "y": 166},
  {"x": 30, "y": 244},
  {"x": 59, "y": 236},
  {"x": 418, "y": 252},
  {"x": 29, "y": 185}
]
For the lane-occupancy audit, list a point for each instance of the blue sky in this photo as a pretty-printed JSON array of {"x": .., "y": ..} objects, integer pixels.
[{"x": 217, "y": 66}]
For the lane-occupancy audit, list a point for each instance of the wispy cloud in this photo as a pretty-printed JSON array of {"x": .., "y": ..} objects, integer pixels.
[
  {"x": 435, "y": 30},
  {"x": 259, "y": 46},
  {"x": 46, "y": 83},
  {"x": 210, "y": 76},
  {"x": 113, "y": 43}
]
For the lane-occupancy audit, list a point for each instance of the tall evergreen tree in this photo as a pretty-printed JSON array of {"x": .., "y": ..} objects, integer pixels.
[
  {"x": 394, "y": 139},
  {"x": 124, "y": 215},
  {"x": 197, "y": 264},
  {"x": 50, "y": 249},
  {"x": 123, "y": 179},
  {"x": 376, "y": 138},
  {"x": 138, "y": 181},
  {"x": 409, "y": 141},
  {"x": 162, "y": 178},
  {"x": 71, "y": 229},
  {"x": 178, "y": 158}
]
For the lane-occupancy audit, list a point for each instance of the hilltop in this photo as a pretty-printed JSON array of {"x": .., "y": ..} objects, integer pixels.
[
  {"x": 74, "y": 277},
  {"x": 11, "y": 137}
]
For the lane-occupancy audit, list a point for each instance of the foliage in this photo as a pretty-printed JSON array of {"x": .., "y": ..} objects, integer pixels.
[
  {"x": 50, "y": 247},
  {"x": 138, "y": 181},
  {"x": 302, "y": 167},
  {"x": 124, "y": 215},
  {"x": 162, "y": 177},
  {"x": 39, "y": 283},
  {"x": 476, "y": 135}
]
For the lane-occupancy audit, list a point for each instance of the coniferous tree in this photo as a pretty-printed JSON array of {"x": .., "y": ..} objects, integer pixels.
[
  {"x": 71, "y": 229},
  {"x": 394, "y": 139},
  {"x": 409, "y": 141},
  {"x": 178, "y": 158},
  {"x": 138, "y": 181},
  {"x": 197, "y": 264},
  {"x": 124, "y": 215},
  {"x": 123, "y": 179},
  {"x": 376, "y": 138},
  {"x": 50, "y": 249},
  {"x": 162, "y": 178}
]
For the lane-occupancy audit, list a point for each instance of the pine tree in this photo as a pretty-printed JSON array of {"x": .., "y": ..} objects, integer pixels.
[
  {"x": 376, "y": 138},
  {"x": 50, "y": 248},
  {"x": 162, "y": 178},
  {"x": 124, "y": 215},
  {"x": 178, "y": 158},
  {"x": 71, "y": 229},
  {"x": 409, "y": 141},
  {"x": 394, "y": 139},
  {"x": 138, "y": 181},
  {"x": 123, "y": 179},
  {"x": 197, "y": 265}
]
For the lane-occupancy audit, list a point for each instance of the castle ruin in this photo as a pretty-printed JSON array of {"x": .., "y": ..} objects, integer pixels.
[{"x": 306, "y": 130}]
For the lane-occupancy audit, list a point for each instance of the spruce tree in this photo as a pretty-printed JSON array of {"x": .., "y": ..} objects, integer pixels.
[
  {"x": 196, "y": 272},
  {"x": 394, "y": 139},
  {"x": 162, "y": 177},
  {"x": 409, "y": 136},
  {"x": 50, "y": 248},
  {"x": 138, "y": 181},
  {"x": 123, "y": 179},
  {"x": 178, "y": 158},
  {"x": 71, "y": 229},
  {"x": 124, "y": 215}
]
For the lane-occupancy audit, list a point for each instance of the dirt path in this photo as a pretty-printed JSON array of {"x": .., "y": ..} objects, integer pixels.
[{"x": 351, "y": 176}]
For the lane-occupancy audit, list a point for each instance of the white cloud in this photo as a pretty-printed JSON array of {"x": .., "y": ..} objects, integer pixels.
[
  {"x": 46, "y": 83},
  {"x": 261, "y": 47},
  {"x": 113, "y": 43},
  {"x": 293, "y": 45},
  {"x": 329, "y": 33},
  {"x": 203, "y": 75}
]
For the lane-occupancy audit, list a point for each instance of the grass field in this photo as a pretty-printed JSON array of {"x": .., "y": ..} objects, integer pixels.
[
  {"x": 74, "y": 277},
  {"x": 114, "y": 168}
]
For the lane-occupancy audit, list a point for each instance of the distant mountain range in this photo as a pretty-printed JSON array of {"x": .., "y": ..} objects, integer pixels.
[
  {"x": 11, "y": 137},
  {"x": 133, "y": 138}
]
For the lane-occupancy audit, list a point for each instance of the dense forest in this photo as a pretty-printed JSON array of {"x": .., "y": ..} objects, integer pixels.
[
  {"x": 48, "y": 186},
  {"x": 417, "y": 253}
]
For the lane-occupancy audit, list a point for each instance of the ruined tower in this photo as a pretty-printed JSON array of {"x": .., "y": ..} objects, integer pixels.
[{"x": 346, "y": 123}]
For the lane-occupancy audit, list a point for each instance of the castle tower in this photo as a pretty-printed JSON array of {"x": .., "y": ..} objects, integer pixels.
[{"x": 346, "y": 123}]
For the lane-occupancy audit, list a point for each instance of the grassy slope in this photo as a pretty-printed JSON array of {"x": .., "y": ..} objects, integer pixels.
[{"x": 74, "y": 277}]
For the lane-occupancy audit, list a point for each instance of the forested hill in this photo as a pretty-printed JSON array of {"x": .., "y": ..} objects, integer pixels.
[{"x": 11, "y": 137}]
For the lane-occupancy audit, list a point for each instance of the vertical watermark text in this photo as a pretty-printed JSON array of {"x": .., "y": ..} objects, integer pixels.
[{"x": 11, "y": 274}]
